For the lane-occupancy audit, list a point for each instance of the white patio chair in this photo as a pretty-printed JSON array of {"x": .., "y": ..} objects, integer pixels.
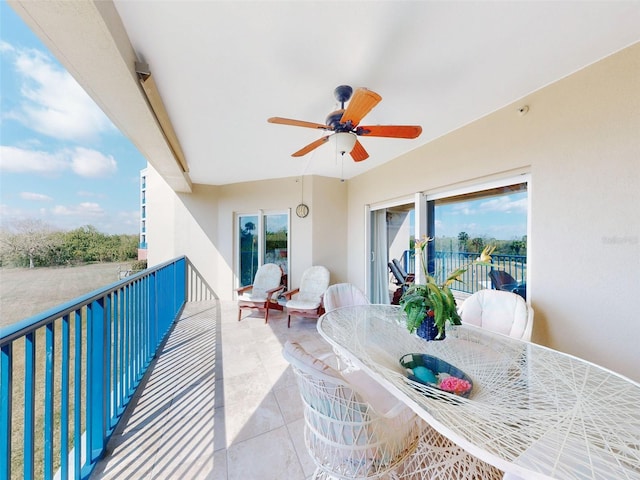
[
  {"x": 499, "y": 311},
  {"x": 263, "y": 293},
  {"x": 306, "y": 300},
  {"x": 345, "y": 435},
  {"x": 342, "y": 295}
]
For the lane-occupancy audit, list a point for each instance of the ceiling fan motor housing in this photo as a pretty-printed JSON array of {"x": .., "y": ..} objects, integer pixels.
[{"x": 333, "y": 121}]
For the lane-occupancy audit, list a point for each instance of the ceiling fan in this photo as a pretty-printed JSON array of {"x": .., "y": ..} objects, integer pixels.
[{"x": 345, "y": 124}]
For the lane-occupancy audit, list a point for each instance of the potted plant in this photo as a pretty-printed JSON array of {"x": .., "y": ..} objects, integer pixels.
[{"x": 430, "y": 305}]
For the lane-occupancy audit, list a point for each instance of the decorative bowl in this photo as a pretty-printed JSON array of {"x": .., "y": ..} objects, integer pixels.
[{"x": 442, "y": 370}]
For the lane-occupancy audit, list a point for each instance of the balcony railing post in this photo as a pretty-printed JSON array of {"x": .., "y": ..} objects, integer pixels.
[
  {"x": 77, "y": 391},
  {"x": 64, "y": 399},
  {"x": 96, "y": 375},
  {"x": 29, "y": 403},
  {"x": 6, "y": 369},
  {"x": 153, "y": 309},
  {"x": 49, "y": 400}
]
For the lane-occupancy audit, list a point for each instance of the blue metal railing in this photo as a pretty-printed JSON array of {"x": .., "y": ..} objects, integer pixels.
[
  {"x": 475, "y": 278},
  {"x": 67, "y": 375}
]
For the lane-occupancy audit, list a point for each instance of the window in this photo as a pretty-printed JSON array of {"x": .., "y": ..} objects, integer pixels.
[
  {"x": 463, "y": 224},
  {"x": 262, "y": 238}
]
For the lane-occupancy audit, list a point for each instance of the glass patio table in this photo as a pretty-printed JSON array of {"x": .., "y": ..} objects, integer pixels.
[{"x": 533, "y": 411}]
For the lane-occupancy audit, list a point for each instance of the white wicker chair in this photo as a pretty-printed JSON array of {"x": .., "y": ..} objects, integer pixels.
[
  {"x": 499, "y": 311},
  {"x": 346, "y": 437},
  {"x": 342, "y": 295}
]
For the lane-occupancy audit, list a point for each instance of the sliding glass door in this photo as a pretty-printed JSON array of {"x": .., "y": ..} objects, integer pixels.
[
  {"x": 392, "y": 230},
  {"x": 262, "y": 238},
  {"x": 248, "y": 248}
]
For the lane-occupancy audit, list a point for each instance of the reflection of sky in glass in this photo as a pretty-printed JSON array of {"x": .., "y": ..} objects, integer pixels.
[
  {"x": 501, "y": 217},
  {"x": 276, "y": 223}
]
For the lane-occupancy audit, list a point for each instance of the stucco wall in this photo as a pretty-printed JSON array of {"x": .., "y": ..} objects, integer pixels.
[
  {"x": 580, "y": 141},
  {"x": 202, "y": 225}
]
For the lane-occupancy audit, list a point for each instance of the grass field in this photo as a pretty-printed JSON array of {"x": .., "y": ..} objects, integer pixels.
[{"x": 26, "y": 292}]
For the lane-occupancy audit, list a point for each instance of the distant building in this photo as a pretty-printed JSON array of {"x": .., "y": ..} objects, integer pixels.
[{"x": 142, "y": 246}]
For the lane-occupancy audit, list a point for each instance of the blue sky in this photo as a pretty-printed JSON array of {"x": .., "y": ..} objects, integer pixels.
[
  {"x": 502, "y": 217},
  {"x": 61, "y": 159}
]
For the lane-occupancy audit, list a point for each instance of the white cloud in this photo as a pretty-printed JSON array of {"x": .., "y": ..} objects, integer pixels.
[
  {"x": 84, "y": 209},
  {"x": 504, "y": 204},
  {"x": 92, "y": 164},
  {"x": 6, "y": 47},
  {"x": 82, "y": 161},
  {"x": 39, "y": 197},
  {"x": 5, "y": 211},
  {"x": 85, "y": 193},
  {"x": 130, "y": 218},
  {"x": 18, "y": 160},
  {"x": 9, "y": 214},
  {"x": 52, "y": 101}
]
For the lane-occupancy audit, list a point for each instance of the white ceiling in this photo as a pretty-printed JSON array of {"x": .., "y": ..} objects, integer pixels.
[{"x": 224, "y": 67}]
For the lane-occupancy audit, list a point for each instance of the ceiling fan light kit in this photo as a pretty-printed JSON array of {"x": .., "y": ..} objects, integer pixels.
[
  {"x": 343, "y": 141},
  {"x": 344, "y": 124}
]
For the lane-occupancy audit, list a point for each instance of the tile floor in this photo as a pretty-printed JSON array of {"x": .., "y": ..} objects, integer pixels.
[{"x": 219, "y": 403}]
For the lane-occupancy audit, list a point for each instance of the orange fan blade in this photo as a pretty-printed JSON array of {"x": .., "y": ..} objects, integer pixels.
[
  {"x": 298, "y": 123},
  {"x": 311, "y": 146},
  {"x": 397, "y": 131},
  {"x": 359, "y": 153},
  {"x": 361, "y": 103}
]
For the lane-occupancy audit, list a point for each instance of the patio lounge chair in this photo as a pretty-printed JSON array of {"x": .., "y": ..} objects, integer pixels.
[
  {"x": 306, "y": 300},
  {"x": 501, "y": 280},
  {"x": 263, "y": 293},
  {"x": 401, "y": 278}
]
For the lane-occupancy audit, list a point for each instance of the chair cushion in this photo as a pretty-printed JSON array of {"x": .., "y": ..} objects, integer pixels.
[
  {"x": 253, "y": 297},
  {"x": 496, "y": 310},
  {"x": 314, "y": 281},
  {"x": 298, "y": 354},
  {"x": 297, "y": 304},
  {"x": 267, "y": 278},
  {"x": 372, "y": 392}
]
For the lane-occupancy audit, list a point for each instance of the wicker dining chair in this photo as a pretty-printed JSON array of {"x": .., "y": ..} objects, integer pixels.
[
  {"x": 345, "y": 436},
  {"x": 498, "y": 311},
  {"x": 343, "y": 295}
]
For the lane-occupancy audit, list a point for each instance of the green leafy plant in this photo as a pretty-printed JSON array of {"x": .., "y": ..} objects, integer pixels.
[{"x": 435, "y": 299}]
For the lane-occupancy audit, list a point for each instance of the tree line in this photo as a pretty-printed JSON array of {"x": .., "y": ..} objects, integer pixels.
[
  {"x": 504, "y": 247},
  {"x": 34, "y": 243},
  {"x": 465, "y": 243}
]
